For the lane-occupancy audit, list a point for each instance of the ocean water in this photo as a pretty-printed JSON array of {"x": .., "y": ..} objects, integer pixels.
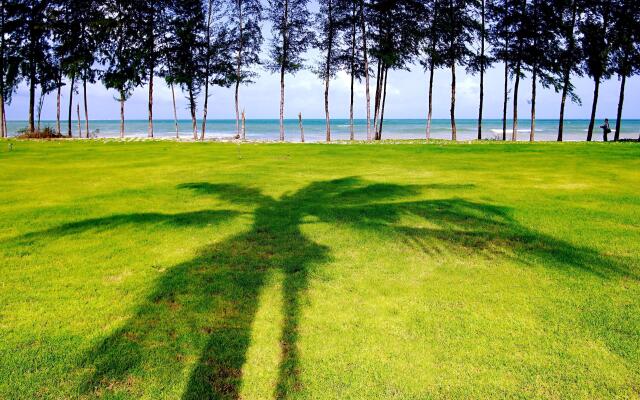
[{"x": 314, "y": 129}]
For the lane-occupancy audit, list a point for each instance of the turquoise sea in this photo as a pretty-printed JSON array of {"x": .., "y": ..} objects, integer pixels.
[{"x": 267, "y": 129}]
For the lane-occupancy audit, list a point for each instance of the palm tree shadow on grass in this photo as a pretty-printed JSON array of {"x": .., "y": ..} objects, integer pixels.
[{"x": 201, "y": 311}]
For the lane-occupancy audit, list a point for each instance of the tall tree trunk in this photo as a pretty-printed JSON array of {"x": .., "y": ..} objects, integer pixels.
[
  {"x": 327, "y": 71},
  {"x": 384, "y": 100},
  {"x": 86, "y": 107},
  {"x": 3, "y": 132},
  {"x": 58, "y": 96},
  {"x": 192, "y": 108},
  {"x": 4, "y": 122},
  {"x": 40, "y": 105},
  {"x": 79, "y": 121},
  {"x": 32, "y": 96},
  {"x": 430, "y": 110},
  {"x": 150, "y": 127},
  {"x": 616, "y": 137},
  {"x": 565, "y": 89},
  {"x": 366, "y": 67},
  {"x": 351, "y": 129},
  {"x": 282, "y": 70},
  {"x": 205, "y": 109},
  {"x": 534, "y": 78},
  {"x": 352, "y": 69},
  {"x": 567, "y": 72},
  {"x": 244, "y": 125},
  {"x": 516, "y": 87},
  {"x": 207, "y": 71},
  {"x": 326, "y": 109},
  {"x": 237, "y": 93},
  {"x": 282, "y": 103},
  {"x": 376, "y": 106},
  {"x": 454, "y": 131},
  {"x": 482, "y": 35},
  {"x": 73, "y": 82},
  {"x": 175, "y": 113},
  {"x": 121, "y": 114},
  {"x": 505, "y": 100},
  {"x": 239, "y": 68},
  {"x": 594, "y": 106}
]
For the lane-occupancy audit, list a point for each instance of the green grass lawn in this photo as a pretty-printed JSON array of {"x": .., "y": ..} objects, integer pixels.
[{"x": 164, "y": 270}]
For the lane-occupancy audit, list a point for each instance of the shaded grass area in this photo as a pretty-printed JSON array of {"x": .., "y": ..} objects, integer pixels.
[{"x": 194, "y": 271}]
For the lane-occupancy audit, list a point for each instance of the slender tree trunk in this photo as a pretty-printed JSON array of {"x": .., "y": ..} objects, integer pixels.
[
  {"x": 40, "y": 105},
  {"x": 32, "y": 95},
  {"x": 534, "y": 78},
  {"x": 454, "y": 131},
  {"x": 505, "y": 101},
  {"x": 282, "y": 70},
  {"x": 376, "y": 106},
  {"x": 516, "y": 87},
  {"x": 205, "y": 109},
  {"x": 244, "y": 126},
  {"x": 594, "y": 106},
  {"x": 237, "y": 93},
  {"x": 384, "y": 100},
  {"x": 73, "y": 82},
  {"x": 282, "y": 103},
  {"x": 327, "y": 71},
  {"x": 3, "y": 132},
  {"x": 4, "y": 122},
  {"x": 86, "y": 108},
  {"x": 175, "y": 114},
  {"x": 79, "y": 121},
  {"x": 482, "y": 67},
  {"x": 351, "y": 128},
  {"x": 565, "y": 89},
  {"x": 207, "y": 71},
  {"x": 567, "y": 72},
  {"x": 150, "y": 127},
  {"x": 352, "y": 70},
  {"x": 121, "y": 115},
  {"x": 616, "y": 137},
  {"x": 192, "y": 107},
  {"x": 366, "y": 67},
  {"x": 239, "y": 68},
  {"x": 430, "y": 110},
  {"x": 58, "y": 97},
  {"x": 301, "y": 127}
]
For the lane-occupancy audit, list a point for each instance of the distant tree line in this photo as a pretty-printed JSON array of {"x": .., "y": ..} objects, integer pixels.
[{"x": 63, "y": 45}]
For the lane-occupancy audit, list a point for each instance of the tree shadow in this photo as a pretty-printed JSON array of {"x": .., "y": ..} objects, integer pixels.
[{"x": 201, "y": 311}]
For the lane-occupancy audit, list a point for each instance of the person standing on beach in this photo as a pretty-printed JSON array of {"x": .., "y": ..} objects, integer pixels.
[{"x": 605, "y": 129}]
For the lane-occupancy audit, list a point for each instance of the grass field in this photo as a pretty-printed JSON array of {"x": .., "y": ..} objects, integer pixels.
[{"x": 163, "y": 270}]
